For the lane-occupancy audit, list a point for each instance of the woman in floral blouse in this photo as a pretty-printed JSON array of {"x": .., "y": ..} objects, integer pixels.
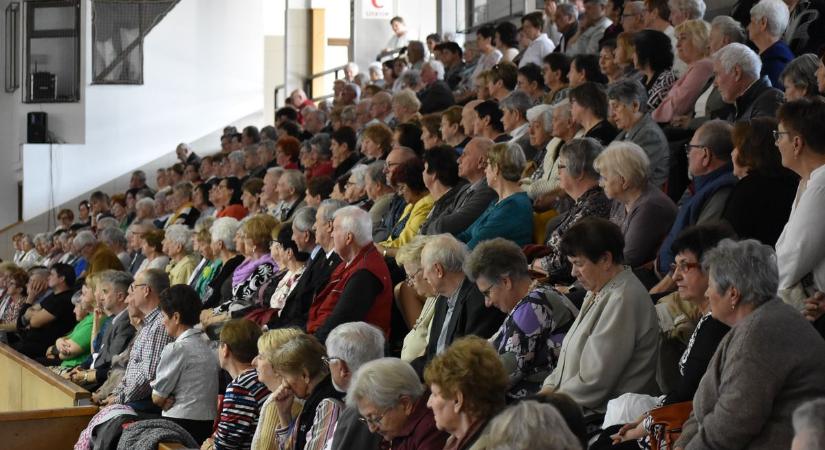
[
  {"x": 537, "y": 316},
  {"x": 654, "y": 59}
]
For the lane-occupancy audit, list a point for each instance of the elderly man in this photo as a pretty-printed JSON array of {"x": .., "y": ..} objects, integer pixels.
[
  {"x": 514, "y": 119},
  {"x": 363, "y": 115},
  {"x": 540, "y": 45},
  {"x": 566, "y": 19},
  {"x": 737, "y": 69},
  {"x": 381, "y": 109},
  {"x": 270, "y": 199},
  {"x": 628, "y": 110},
  {"x": 769, "y": 19},
  {"x": 315, "y": 120},
  {"x": 360, "y": 288},
  {"x": 41, "y": 324},
  {"x": 350, "y": 94},
  {"x": 267, "y": 157},
  {"x": 291, "y": 190},
  {"x": 459, "y": 308},
  {"x": 134, "y": 390},
  {"x": 395, "y": 158},
  {"x": 633, "y": 16},
  {"x": 133, "y": 239},
  {"x": 349, "y": 346},
  {"x": 469, "y": 117},
  {"x": 111, "y": 296},
  {"x": 186, "y": 155},
  {"x": 181, "y": 203},
  {"x": 436, "y": 94},
  {"x": 709, "y": 163},
  {"x": 591, "y": 31}
]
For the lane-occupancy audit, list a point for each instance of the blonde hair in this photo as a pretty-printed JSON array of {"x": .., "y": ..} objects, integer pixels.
[
  {"x": 406, "y": 98},
  {"x": 626, "y": 160},
  {"x": 411, "y": 252},
  {"x": 259, "y": 229},
  {"x": 301, "y": 353},
  {"x": 698, "y": 32},
  {"x": 272, "y": 340}
]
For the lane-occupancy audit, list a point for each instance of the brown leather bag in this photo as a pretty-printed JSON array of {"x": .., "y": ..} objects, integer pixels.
[{"x": 667, "y": 424}]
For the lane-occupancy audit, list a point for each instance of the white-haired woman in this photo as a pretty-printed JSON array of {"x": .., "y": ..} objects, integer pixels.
[
  {"x": 393, "y": 403},
  {"x": 530, "y": 425},
  {"x": 223, "y": 233},
  {"x": 405, "y": 106},
  {"x": 770, "y": 361},
  {"x": 177, "y": 244},
  {"x": 409, "y": 295},
  {"x": 643, "y": 211},
  {"x": 378, "y": 191},
  {"x": 769, "y": 19},
  {"x": 355, "y": 192},
  {"x": 692, "y": 49}
]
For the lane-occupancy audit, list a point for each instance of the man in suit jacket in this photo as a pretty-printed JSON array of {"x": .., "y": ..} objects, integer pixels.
[
  {"x": 459, "y": 308},
  {"x": 436, "y": 94}
]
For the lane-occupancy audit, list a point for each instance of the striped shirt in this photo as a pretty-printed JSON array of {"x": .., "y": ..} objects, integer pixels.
[
  {"x": 242, "y": 404},
  {"x": 143, "y": 360}
]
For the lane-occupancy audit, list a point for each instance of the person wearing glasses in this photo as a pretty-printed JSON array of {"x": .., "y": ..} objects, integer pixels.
[
  {"x": 537, "y": 315},
  {"x": 409, "y": 296},
  {"x": 709, "y": 164},
  {"x": 302, "y": 364},
  {"x": 699, "y": 345},
  {"x": 612, "y": 346},
  {"x": 392, "y": 402}
]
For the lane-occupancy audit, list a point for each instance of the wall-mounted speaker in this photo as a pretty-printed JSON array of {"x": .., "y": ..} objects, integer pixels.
[{"x": 37, "y": 128}]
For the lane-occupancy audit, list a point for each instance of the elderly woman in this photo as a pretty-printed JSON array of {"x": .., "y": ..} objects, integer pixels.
[
  {"x": 452, "y": 131},
  {"x": 376, "y": 142},
  {"x": 177, "y": 244},
  {"x": 545, "y": 191},
  {"x": 527, "y": 425},
  {"x": 580, "y": 181},
  {"x": 653, "y": 57},
  {"x": 186, "y": 383},
  {"x": 692, "y": 49},
  {"x": 463, "y": 405},
  {"x": 355, "y": 192},
  {"x": 268, "y": 421},
  {"x": 611, "y": 347},
  {"x": 392, "y": 402},
  {"x": 222, "y": 243},
  {"x": 409, "y": 180},
  {"x": 528, "y": 339},
  {"x": 14, "y": 281},
  {"x": 409, "y": 295},
  {"x": 760, "y": 203},
  {"x": 514, "y": 118},
  {"x": 245, "y": 394},
  {"x": 540, "y": 118},
  {"x": 302, "y": 365},
  {"x": 152, "y": 248},
  {"x": 769, "y": 19},
  {"x": 765, "y": 333},
  {"x": 799, "y": 77},
  {"x": 628, "y": 105},
  {"x": 588, "y": 107},
  {"x": 405, "y": 106},
  {"x": 642, "y": 210},
  {"x": 511, "y": 216},
  {"x": 378, "y": 191},
  {"x": 285, "y": 253},
  {"x": 692, "y": 283}
]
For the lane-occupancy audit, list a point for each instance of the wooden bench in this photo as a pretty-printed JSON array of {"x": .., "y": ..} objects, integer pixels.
[{"x": 39, "y": 409}]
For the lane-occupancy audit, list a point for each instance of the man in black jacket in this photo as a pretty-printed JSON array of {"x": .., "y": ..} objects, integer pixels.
[
  {"x": 436, "y": 94},
  {"x": 737, "y": 70}
]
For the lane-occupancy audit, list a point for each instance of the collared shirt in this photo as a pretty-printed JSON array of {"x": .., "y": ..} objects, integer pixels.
[
  {"x": 800, "y": 249},
  {"x": 143, "y": 360},
  {"x": 537, "y": 50},
  {"x": 188, "y": 370},
  {"x": 442, "y": 337}
]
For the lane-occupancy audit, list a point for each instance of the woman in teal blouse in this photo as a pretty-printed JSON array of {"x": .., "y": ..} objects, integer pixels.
[{"x": 511, "y": 217}]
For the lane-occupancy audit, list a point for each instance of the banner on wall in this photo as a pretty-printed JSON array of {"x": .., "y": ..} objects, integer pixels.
[{"x": 377, "y": 9}]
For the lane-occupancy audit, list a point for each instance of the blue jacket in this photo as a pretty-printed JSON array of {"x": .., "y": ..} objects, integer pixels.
[
  {"x": 774, "y": 60},
  {"x": 511, "y": 218}
]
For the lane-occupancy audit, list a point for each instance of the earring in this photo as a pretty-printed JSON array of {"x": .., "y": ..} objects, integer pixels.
[{"x": 733, "y": 306}]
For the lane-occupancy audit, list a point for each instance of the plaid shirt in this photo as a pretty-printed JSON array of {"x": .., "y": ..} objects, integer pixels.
[{"x": 143, "y": 360}]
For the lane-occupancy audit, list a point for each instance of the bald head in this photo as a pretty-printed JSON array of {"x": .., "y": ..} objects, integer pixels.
[
  {"x": 381, "y": 105},
  {"x": 473, "y": 160},
  {"x": 469, "y": 117},
  {"x": 395, "y": 158}
]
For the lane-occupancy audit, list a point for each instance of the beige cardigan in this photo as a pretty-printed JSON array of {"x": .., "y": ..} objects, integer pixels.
[{"x": 611, "y": 348}]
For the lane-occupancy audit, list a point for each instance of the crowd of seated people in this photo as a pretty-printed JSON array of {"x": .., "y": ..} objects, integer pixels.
[{"x": 547, "y": 237}]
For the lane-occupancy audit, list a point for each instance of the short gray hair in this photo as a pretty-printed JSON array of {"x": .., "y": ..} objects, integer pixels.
[
  {"x": 349, "y": 114},
  {"x": 808, "y": 418},
  {"x": 626, "y": 159},
  {"x": 775, "y": 12},
  {"x": 626, "y": 91},
  {"x": 542, "y": 113},
  {"x": 716, "y": 136},
  {"x": 749, "y": 266},
  {"x": 328, "y": 208},
  {"x": 563, "y": 108},
  {"x": 304, "y": 218},
  {"x": 695, "y": 9},
  {"x": 107, "y": 222},
  {"x": 569, "y": 9},
  {"x": 224, "y": 230},
  {"x": 382, "y": 382},
  {"x": 494, "y": 259},
  {"x": 145, "y": 203},
  {"x": 739, "y": 55},
  {"x": 801, "y": 72},
  {"x": 113, "y": 236},
  {"x": 43, "y": 237},
  {"x": 516, "y": 101},
  {"x": 407, "y": 99},
  {"x": 356, "y": 343},
  {"x": 634, "y": 7},
  {"x": 118, "y": 279},
  {"x": 355, "y": 220},
  {"x": 237, "y": 157},
  {"x": 729, "y": 28},
  {"x": 446, "y": 250},
  {"x": 437, "y": 67},
  {"x": 83, "y": 239},
  {"x": 296, "y": 180},
  {"x": 516, "y": 427},
  {"x": 375, "y": 172},
  {"x": 580, "y": 154},
  {"x": 181, "y": 235},
  {"x": 157, "y": 279},
  {"x": 358, "y": 175},
  {"x": 410, "y": 78},
  {"x": 321, "y": 142}
]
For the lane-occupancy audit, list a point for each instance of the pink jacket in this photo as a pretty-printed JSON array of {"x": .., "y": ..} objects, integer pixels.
[{"x": 682, "y": 96}]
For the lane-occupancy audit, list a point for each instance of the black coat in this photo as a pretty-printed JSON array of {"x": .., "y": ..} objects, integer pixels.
[{"x": 296, "y": 306}]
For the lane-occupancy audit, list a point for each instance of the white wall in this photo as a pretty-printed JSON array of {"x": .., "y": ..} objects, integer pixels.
[
  {"x": 203, "y": 68},
  {"x": 371, "y": 35}
]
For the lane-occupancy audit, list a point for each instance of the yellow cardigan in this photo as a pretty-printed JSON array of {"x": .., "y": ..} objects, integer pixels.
[{"x": 417, "y": 213}]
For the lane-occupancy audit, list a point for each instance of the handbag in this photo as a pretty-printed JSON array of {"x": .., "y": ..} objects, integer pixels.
[{"x": 667, "y": 421}]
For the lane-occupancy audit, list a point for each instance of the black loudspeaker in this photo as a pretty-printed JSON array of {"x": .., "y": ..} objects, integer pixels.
[
  {"x": 37, "y": 128},
  {"x": 43, "y": 87}
]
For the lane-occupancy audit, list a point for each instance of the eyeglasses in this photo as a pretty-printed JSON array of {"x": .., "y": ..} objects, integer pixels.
[
  {"x": 328, "y": 359},
  {"x": 562, "y": 166},
  {"x": 486, "y": 292},
  {"x": 134, "y": 286},
  {"x": 778, "y": 134},
  {"x": 689, "y": 147},
  {"x": 411, "y": 278},
  {"x": 683, "y": 266},
  {"x": 374, "y": 420}
]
